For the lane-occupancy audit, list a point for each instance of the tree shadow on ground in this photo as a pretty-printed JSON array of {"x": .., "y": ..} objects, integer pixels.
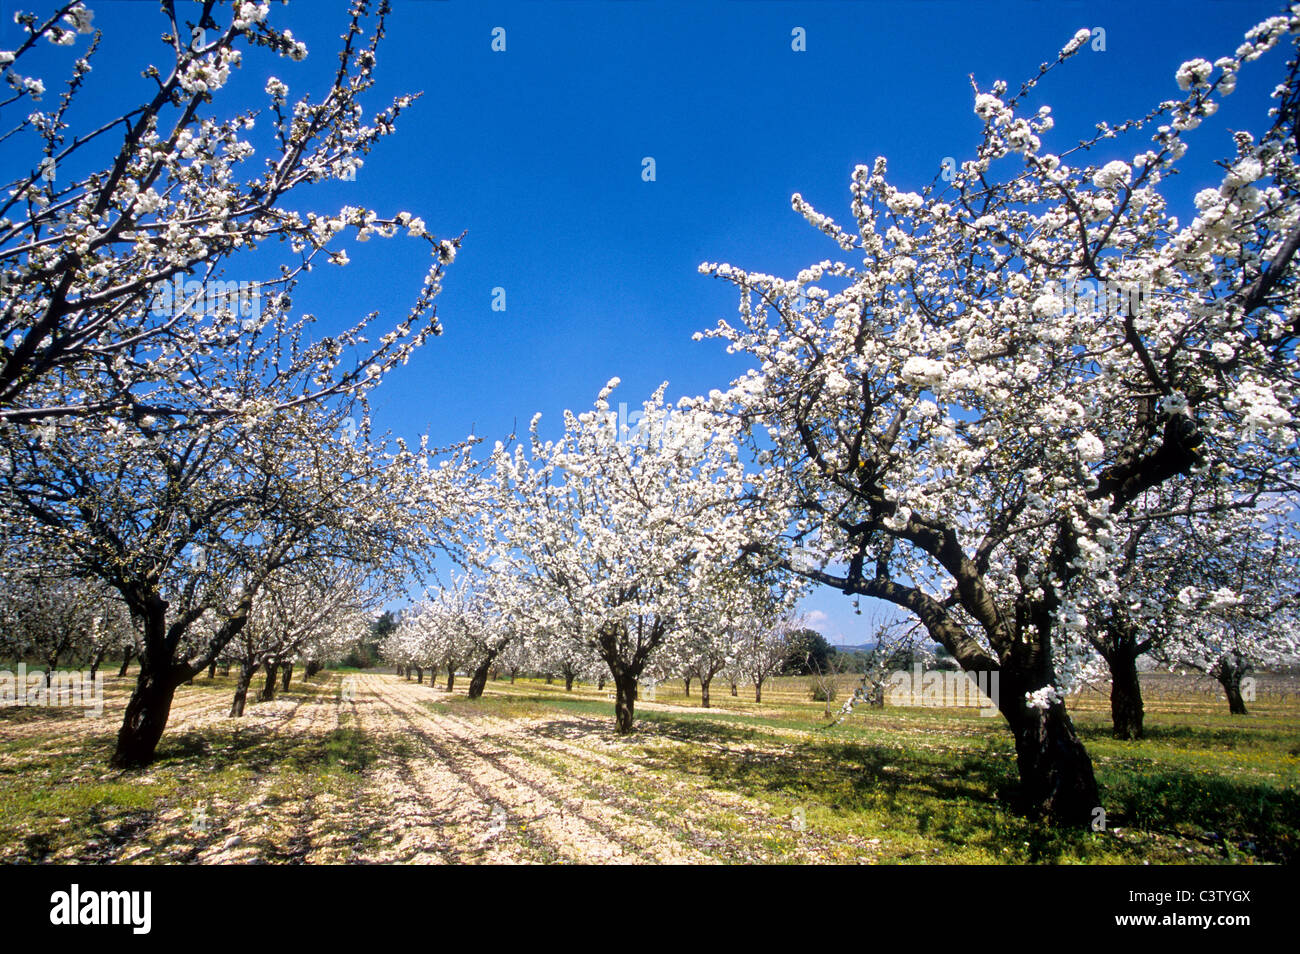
[{"x": 261, "y": 748}]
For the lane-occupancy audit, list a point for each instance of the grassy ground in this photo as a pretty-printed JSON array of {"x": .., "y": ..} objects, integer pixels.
[{"x": 403, "y": 772}]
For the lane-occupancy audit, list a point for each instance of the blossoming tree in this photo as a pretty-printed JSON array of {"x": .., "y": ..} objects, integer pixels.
[
  {"x": 305, "y": 612},
  {"x": 186, "y": 448},
  {"x": 961, "y": 424},
  {"x": 187, "y": 523},
  {"x": 1236, "y": 608},
  {"x": 620, "y": 530}
]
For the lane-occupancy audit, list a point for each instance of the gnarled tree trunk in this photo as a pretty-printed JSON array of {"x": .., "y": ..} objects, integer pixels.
[
  {"x": 625, "y": 693},
  {"x": 155, "y": 686},
  {"x": 146, "y": 716},
  {"x": 1056, "y": 776}
]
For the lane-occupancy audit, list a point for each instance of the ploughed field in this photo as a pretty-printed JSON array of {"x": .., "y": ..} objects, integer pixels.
[{"x": 392, "y": 770}]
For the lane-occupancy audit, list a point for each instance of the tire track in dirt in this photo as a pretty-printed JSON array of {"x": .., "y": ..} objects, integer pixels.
[
  {"x": 677, "y": 805},
  {"x": 362, "y": 819},
  {"x": 448, "y": 805},
  {"x": 318, "y": 714},
  {"x": 618, "y": 818},
  {"x": 491, "y": 837},
  {"x": 328, "y": 841},
  {"x": 418, "y": 815},
  {"x": 569, "y": 835},
  {"x": 674, "y": 811},
  {"x": 312, "y": 822}
]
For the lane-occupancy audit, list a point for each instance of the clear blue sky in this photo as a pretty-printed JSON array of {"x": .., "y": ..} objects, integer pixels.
[{"x": 537, "y": 153}]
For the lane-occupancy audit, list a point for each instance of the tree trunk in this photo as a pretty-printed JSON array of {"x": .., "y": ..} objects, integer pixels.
[
  {"x": 600, "y": 684},
  {"x": 286, "y": 673},
  {"x": 1125, "y": 694},
  {"x": 146, "y": 717},
  {"x": 758, "y": 690},
  {"x": 704, "y": 691},
  {"x": 686, "y": 680},
  {"x": 246, "y": 671},
  {"x": 451, "y": 678},
  {"x": 568, "y": 682},
  {"x": 513, "y": 673},
  {"x": 160, "y": 674},
  {"x": 225, "y": 668},
  {"x": 126, "y": 661},
  {"x": 1229, "y": 672},
  {"x": 97, "y": 661},
  {"x": 478, "y": 682},
  {"x": 625, "y": 688},
  {"x": 1056, "y": 777},
  {"x": 734, "y": 690},
  {"x": 312, "y": 668},
  {"x": 550, "y": 679},
  {"x": 1055, "y": 770},
  {"x": 268, "y": 688},
  {"x": 212, "y": 669}
]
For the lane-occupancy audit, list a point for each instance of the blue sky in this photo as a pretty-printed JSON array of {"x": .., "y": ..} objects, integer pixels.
[{"x": 536, "y": 152}]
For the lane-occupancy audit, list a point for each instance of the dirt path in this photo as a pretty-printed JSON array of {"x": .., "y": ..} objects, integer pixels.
[{"x": 480, "y": 801}]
